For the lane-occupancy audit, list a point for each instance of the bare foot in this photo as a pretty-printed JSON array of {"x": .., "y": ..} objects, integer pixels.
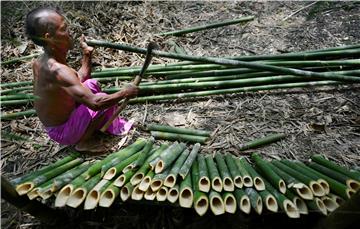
[{"x": 92, "y": 146}]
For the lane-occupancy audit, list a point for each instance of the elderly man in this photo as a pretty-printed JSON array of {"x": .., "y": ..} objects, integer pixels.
[{"x": 70, "y": 104}]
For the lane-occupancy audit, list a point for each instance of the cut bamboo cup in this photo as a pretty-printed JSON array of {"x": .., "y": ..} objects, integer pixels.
[
  {"x": 234, "y": 171},
  {"x": 149, "y": 194},
  {"x": 173, "y": 194},
  {"x": 255, "y": 200},
  {"x": 125, "y": 192},
  {"x": 201, "y": 200},
  {"x": 108, "y": 197},
  {"x": 229, "y": 202},
  {"x": 185, "y": 168},
  {"x": 204, "y": 181},
  {"x": 137, "y": 194},
  {"x": 146, "y": 181},
  {"x": 227, "y": 181},
  {"x": 258, "y": 181},
  {"x": 269, "y": 200},
  {"x": 216, "y": 182},
  {"x": 171, "y": 178},
  {"x": 243, "y": 201},
  {"x": 247, "y": 179},
  {"x": 186, "y": 196},
  {"x": 167, "y": 157},
  {"x": 298, "y": 201},
  {"x": 216, "y": 203},
  {"x": 162, "y": 194},
  {"x": 317, "y": 205},
  {"x": 93, "y": 197}
]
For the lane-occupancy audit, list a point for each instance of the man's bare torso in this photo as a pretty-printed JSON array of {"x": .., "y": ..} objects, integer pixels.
[{"x": 54, "y": 105}]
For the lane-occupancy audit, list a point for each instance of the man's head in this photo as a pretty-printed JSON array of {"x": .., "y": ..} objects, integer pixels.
[{"x": 47, "y": 27}]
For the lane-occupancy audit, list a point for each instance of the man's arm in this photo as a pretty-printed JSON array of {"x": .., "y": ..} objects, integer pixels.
[
  {"x": 85, "y": 70},
  {"x": 69, "y": 81}
]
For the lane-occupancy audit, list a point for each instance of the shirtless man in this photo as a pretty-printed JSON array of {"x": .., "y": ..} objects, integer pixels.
[{"x": 70, "y": 104}]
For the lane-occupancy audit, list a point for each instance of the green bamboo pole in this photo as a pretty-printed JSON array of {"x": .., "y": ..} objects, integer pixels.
[
  {"x": 93, "y": 197},
  {"x": 178, "y": 137},
  {"x": 185, "y": 168},
  {"x": 353, "y": 184},
  {"x": 231, "y": 90},
  {"x": 14, "y": 115},
  {"x": 170, "y": 129},
  {"x": 173, "y": 194},
  {"x": 201, "y": 201},
  {"x": 223, "y": 61},
  {"x": 137, "y": 194},
  {"x": 145, "y": 153},
  {"x": 96, "y": 167},
  {"x": 45, "y": 169},
  {"x": 167, "y": 157},
  {"x": 255, "y": 200},
  {"x": 216, "y": 203},
  {"x": 16, "y": 84},
  {"x": 25, "y": 187},
  {"x": 204, "y": 181},
  {"x": 284, "y": 203},
  {"x": 15, "y": 90},
  {"x": 300, "y": 188},
  {"x": 320, "y": 181},
  {"x": 243, "y": 201},
  {"x": 229, "y": 202},
  {"x": 171, "y": 178},
  {"x": 262, "y": 141},
  {"x": 116, "y": 170},
  {"x": 16, "y": 102},
  {"x": 17, "y": 97},
  {"x": 269, "y": 200},
  {"x": 186, "y": 195},
  {"x": 257, "y": 179},
  {"x": 329, "y": 164},
  {"x": 158, "y": 180},
  {"x": 124, "y": 178},
  {"x": 107, "y": 198},
  {"x": 208, "y": 26},
  {"x": 79, "y": 194},
  {"x": 247, "y": 179},
  {"x": 228, "y": 183},
  {"x": 315, "y": 187},
  {"x": 269, "y": 174},
  {"x": 298, "y": 201},
  {"x": 125, "y": 192},
  {"x": 335, "y": 186},
  {"x": 234, "y": 171},
  {"x": 19, "y": 59},
  {"x": 216, "y": 182},
  {"x": 155, "y": 159}
]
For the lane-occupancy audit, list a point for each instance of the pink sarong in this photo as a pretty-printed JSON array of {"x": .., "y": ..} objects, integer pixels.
[{"x": 74, "y": 128}]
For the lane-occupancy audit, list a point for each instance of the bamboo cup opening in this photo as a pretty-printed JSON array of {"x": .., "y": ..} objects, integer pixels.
[
  {"x": 186, "y": 193},
  {"x": 92, "y": 200},
  {"x": 245, "y": 205},
  {"x": 248, "y": 182},
  {"x": 301, "y": 206},
  {"x": 230, "y": 204},
  {"x": 137, "y": 178},
  {"x": 155, "y": 185},
  {"x": 24, "y": 188},
  {"x": 63, "y": 196},
  {"x": 110, "y": 173},
  {"x": 161, "y": 194},
  {"x": 128, "y": 168},
  {"x": 159, "y": 166},
  {"x": 217, "y": 184},
  {"x": 259, "y": 206},
  {"x": 33, "y": 193},
  {"x": 124, "y": 193},
  {"x": 204, "y": 184},
  {"x": 173, "y": 192},
  {"x": 317, "y": 189},
  {"x": 271, "y": 204},
  {"x": 350, "y": 192},
  {"x": 228, "y": 184},
  {"x": 201, "y": 206},
  {"x": 137, "y": 194},
  {"x": 170, "y": 181},
  {"x": 329, "y": 203},
  {"x": 144, "y": 184},
  {"x": 76, "y": 198},
  {"x": 290, "y": 209},
  {"x": 119, "y": 182},
  {"x": 149, "y": 194},
  {"x": 238, "y": 181},
  {"x": 106, "y": 199},
  {"x": 217, "y": 206},
  {"x": 353, "y": 184},
  {"x": 173, "y": 195},
  {"x": 46, "y": 195},
  {"x": 305, "y": 192},
  {"x": 186, "y": 198},
  {"x": 321, "y": 206},
  {"x": 282, "y": 186},
  {"x": 324, "y": 185},
  {"x": 259, "y": 184}
]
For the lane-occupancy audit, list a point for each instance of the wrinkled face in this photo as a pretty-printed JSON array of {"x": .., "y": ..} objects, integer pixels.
[{"x": 60, "y": 38}]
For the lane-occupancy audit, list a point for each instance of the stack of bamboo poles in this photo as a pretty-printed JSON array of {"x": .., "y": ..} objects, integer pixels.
[
  {"x": 182, "y": 175},
  {"x": 205, "y": 76}
]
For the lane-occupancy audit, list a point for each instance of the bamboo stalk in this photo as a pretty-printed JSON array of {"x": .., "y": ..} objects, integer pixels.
[
  {"x": 228, "y": 183},
  {"x": 229, "y": 202},
  {"x": 201, "y": 201},
  {"x": 216, "y": 203},
  {"x": 234, "y": 171},
  {"x": 173, "y": 194},
  {"x": 125, "y": 192},
  {"x": 146, "y": 181},
  {"x": 124, "y": 178},
  {"x": 247, "y": 179},
  {"x": 271, "y": 175},
  {"x": 171, "y": 178},
  {"x": 303, "y": 170},
  {"x": 155, "y": 159},
  {"x": 116, "y": 170},
  {"x": 300, "y": 188},
  {"x": 216, "y": 182},
  {"x": 329, "y": 164},
  {"x": 44, "y": 191},
  {"x": 258, "y": 181},
  {"x": 17, "y": 97},
  {"x": 19, "y": 59},
  {"x": 140, "y": 174},
  {"x": 170, "y": 129},
  {"x": 255, "y": 200},
  {"x": 185, "y": 168},
  {"x": 107, "y": 198},
  {"x": 186, "y": 196},
  {"x": 149, "y": 194},
  {"x": 137, "y": 194},
  {"x": 329, "y": 203},
  {"x": 269, "y": 200},
  {"x": 178, "y": 137},
  {"x": 167, "y": 157},
  {"x": 145, "y": 153},
  {"x": 25, "y": 187},
  {"x": 204, "y": 181},
  {"x": 158, "y": 180},
  {"x": 298, "y": 201},
  {"x": 317, "y": 205},
  {"x": 79, "y": 194},
  {"x": 243, "y": 201},
  {"x": 208, "y": 26},
  {"x": 93, "y": 197},
  {"x": 262, "y": 141},
  {"x": 162, "y": 194},
  {"x": 14, "y": 115}
]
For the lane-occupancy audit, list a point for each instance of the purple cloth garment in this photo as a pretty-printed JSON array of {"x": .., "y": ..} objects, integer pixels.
[{"x": 74, "y": 128}]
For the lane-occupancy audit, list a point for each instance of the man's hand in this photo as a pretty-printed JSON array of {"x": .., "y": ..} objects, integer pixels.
[
  {"x": 131, "y": 91},
  {"x": 87, "y": 50}
]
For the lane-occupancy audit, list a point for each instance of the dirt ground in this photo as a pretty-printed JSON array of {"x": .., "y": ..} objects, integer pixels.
[{"x": 325, "y": 120}]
